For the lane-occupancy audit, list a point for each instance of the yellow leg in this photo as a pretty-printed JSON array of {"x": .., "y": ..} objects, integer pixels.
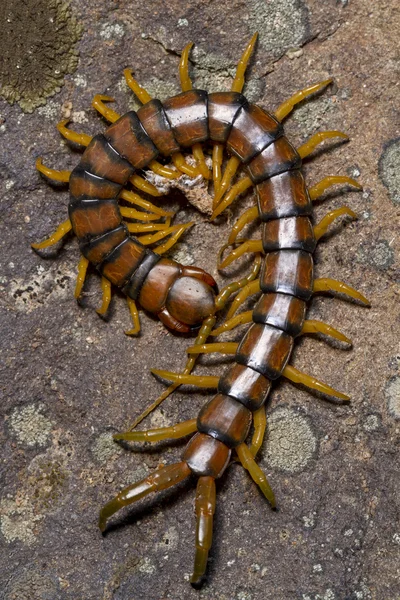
[
  {"x": 247, "y": 217},
  {"x": 132, "y": 213},
  {"x": 144, "y": 186},
  {"x": 147, "y": 227},
  {"x": 260, "y": 425},
  {"x": 257, "y": 475},
  {"x": 229, "y": 173},
  {"x": 181, "y": 164},
  {"x": 163, "y": 171},
  {"x": 139, "y": 92},
  {"x": 235, "y": 191},
  {"x": 246, "y": 246},
  {"x": 152, "y": 238},
  {"x": 248, "y": 290},
  {"x": 319, "y": 188},
  {"x": 205, "y": 508},
  {"x": 107, "y": 112},
  {"x": 235, "y": 286},
  {"x": 80, "y": 280},
  {"x": 53, "y": 174},
  {"x": 55, "y": 237},
  {"x": 318, "y": 138},
  {"x": 222, "y": 347},
  {"x": 238, "y": 82},
  {"x": 161, "y": 479},
  {"x": 72, "y": 136},
  {"x": 162, "y": 248},
  {"x": 106, "y": 288},
  {"x": 286, "y": 107},
  {"x": 201, "y": 161},
  {"x": 241, "y": 319},
  {"x": 200, "y": 381},
  {"x": 134, "y": 316},
  {"x": 186, "y": 82},
  {"x": 322, "y": 227},
  {"x": 175, "y": 432},
  {"x": 217, "y": 158},
  {"x": 312, "y": 326},
  {"x": 326, "y": 284},
  {"x": 133, "y": 198},
  {"x": 311, "y": 382}
]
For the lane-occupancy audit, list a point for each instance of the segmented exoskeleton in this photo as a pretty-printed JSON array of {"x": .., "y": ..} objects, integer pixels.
[{"x": 254, "y": 138}]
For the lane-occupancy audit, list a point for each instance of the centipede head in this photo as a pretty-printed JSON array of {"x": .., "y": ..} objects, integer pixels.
[{"x": 182, "y": 297}]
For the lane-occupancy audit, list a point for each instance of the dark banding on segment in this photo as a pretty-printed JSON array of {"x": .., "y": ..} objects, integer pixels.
[
  {"x": 277, "y": 158},
  {"x": 101, "y": 159},
  {"x": 288, "y": 233},
  {"x": 135, "y": 284},
  {"x": 154, "y": 120},
  {"x": 97, "y": 249},
  {"x": 84, "y": 185},
  {"x": 122, "y": 262},
  {"x": 128, "y": 137},
  {"x": 225, "y": 419},
  {"x": 252, "y": 130},
  {"x": 188, "y": 117},
  {"x": 161, "y": 277},
  {"x": 265, "y": 349},
  {"x": 283, "y": 195},
  {"x": 247, "y": 386},
  {"x": 206, "y": 456},
  {"x": 92, "y": 218},
  {"x": 288, "y": 272},
  {"x": 282, "y": 311},
  {"x": 223, "y": 108}
]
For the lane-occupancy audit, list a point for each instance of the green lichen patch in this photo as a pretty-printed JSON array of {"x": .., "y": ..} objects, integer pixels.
[
  {"x": 37, "y": 49},
  {"x": 291, "y": 442},
  {"x": 389, "y": 169},
  {"x": 379, "y": 255},
  {"x": 30, "y": 426}
]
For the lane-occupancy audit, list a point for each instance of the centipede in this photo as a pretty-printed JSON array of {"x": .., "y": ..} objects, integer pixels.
[{"x": 236, "y": 146}]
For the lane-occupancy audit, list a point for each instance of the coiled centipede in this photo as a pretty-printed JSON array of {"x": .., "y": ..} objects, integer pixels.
[{"x": 184, "y": 297}]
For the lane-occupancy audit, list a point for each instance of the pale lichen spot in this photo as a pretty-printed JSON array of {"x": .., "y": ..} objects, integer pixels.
[
  {"x": 30, "y": 426},
  {"x": 146, "y": 566},
  {"x": 18, "y": 521},
  {"x": 291, "y": 442},
  {"x": 392, "y": 393},
  {"x": 110, "y": 31},
  {"x": 105, "y": 448}
]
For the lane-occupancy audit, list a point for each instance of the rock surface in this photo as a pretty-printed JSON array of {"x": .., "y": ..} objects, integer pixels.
[{"x": 70, "y": 379}]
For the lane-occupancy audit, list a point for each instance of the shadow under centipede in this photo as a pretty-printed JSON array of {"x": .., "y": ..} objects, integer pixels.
[{"x": 153, "y": 448}]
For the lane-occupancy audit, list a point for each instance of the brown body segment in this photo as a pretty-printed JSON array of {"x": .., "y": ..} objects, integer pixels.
[
  {"x": 97, "y": 249},
  {"x": 122, "y": 261},
  {"x": 265, "y": 349},
  {"x": 253, "y": 129},
  {"x": 288, "y": 233},
  {"x": 247, "y": 386},
  {"x": 282, "y": 311},
  {"x": 135, "y": 283},
  {"x": 223, "y": 108},
  {"x": 154, "y": 292},
  {"x": 225, "y": 419},
  {"x": 273, "y": 160},
  {"x": 84, "y": 186},
  {"x": 283, "y": 195},
  {"x": 128, "y": 137},
  {"x": 92, "y": 218},
  {"x": 206, "y": 456},
  {"x": 154, "y": 120},
  {"x": 101, "y": 159},
  {"x": 187, "y": 114},
  {"x": 288, "y": 272}
]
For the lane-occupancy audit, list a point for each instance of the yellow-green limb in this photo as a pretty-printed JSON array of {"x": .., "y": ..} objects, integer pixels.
[
  {"x": 62, "y": 176},
  {"x": 241, "y": 319},
  {"x": 152, "y": 238},
  {"x": 312, "y": 326},
  {"x": 325, "y": 284},
  {"x": 311, "y": 382},
  {"x": 322, "y": 227},
  {"x": 230, "y": 171},
  {"x": 55, "y": 237},
  {"x": 106, "y": 289},
  {"x": 204, "y": 507},
  {"x": 175, "y": 432},
  {"x": 217, "y": 158},
  {"x": 132, "y": 213},
  {"x": 180, "y": 163},
  {"x": 248, "y": 290},
  {"x": 133, "y": 310},
  {"x": 180, "y": 230},
  {"x": 245, "y": 247},
  {"x": 235, "y": 191},
  {"x": 314, "y": 141},
  {"x": 144, "y": 186},
  {"x": 198, "y": 154},
  {"x": 72, "y": 136},
  {"x": 226, "y": 292},
  {"x": 139, "y": 92},
  {"x": 286, "y": 107},
  {"x": 250, "y": 215},
  {"x": 161, "y": 479},
  {"x": 200, "y": 381},
  {"x": 148, "y": 227},
  {"x": 163, "y": 171},
  {"x": 80, "y": 280},
  {"x": 238, "y": 82},
  {"x": 134, "y": 198},
  {"x": 260, "y": 426},
  {"x": 107, "y": 112},
  {"x": 319, "y": 188},
  {"x": 221, "y": 347},
  {"x": 257, "y": 475},
  {"x": 186, "y": 82}
]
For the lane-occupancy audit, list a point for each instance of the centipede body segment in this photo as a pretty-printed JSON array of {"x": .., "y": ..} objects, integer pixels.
[{"x": 185, "y": 297}]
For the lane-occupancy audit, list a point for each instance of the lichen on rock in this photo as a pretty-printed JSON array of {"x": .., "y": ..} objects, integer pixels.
[{"x": 37, "y": 50}]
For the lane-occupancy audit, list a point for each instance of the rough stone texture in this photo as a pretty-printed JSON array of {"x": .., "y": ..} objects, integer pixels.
[{"x": 71, "y": 379}]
